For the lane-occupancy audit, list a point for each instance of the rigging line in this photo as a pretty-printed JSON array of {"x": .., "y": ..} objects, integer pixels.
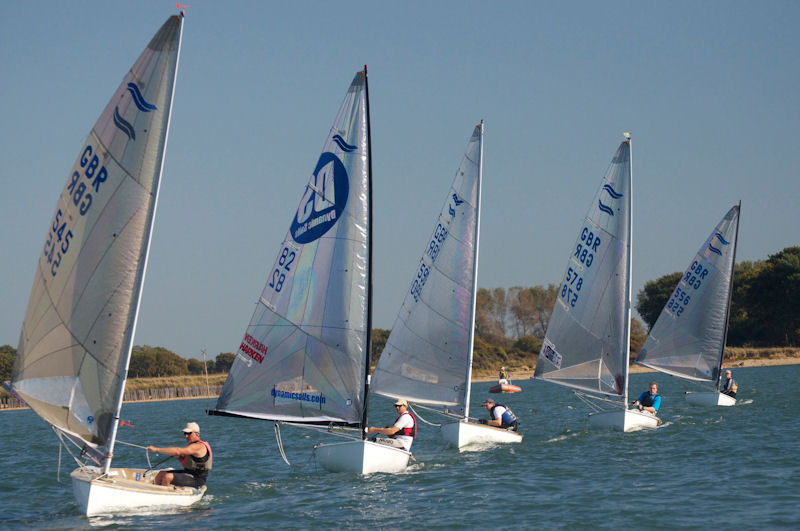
[
  {"x": 279, "y": 442},
  {"x": 420, "y": 416},
  {"x": 131, "y": 444}
]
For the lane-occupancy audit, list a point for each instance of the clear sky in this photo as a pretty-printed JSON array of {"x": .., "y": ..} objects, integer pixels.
[{"x": 709, "y": 91}]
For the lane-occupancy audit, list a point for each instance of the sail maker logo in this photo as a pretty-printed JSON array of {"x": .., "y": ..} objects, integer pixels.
[
  {"x": 253, "y": 348},
  {"x": 323, "y": 201},
  {"x": 138, "y": 100}
]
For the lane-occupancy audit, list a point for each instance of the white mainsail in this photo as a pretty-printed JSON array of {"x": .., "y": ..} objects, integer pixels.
[
  {"x": 428, "y": 355},
  {"x": 688, "y": 338},
  {"x": 78, "y": 331},
  {"x": 304, "y": 353},
  {"x": 586, "y": 343}
]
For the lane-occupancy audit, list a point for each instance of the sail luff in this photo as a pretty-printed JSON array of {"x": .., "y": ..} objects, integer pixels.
[
  {"x": 627, "y": 335},
  {"x": 138, "y": 289},
  {"x": 471, "y": 342},
  {"x": 365, "y": 412},
  {"x": 730, "y": 297}
]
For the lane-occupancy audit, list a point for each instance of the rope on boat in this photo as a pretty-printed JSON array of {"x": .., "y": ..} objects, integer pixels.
[
  {"x": 591, "y": 401},
  {"x": 279, "y": 441},
  {"x": 420, "y": 416}
]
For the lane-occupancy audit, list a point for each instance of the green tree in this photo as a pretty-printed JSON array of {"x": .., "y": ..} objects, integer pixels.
[
  {"x": 195, "y": 366},
  {"x": 638, "y": 336},
  {"x": 655, "y": 294},
  {"x": 150, "y": 362},
  {"x": 7, "y": 356},
  {"x": 773, "y": 309},
  {"x": 224, "y": 361},
  {"x": 379, "y": 338}
]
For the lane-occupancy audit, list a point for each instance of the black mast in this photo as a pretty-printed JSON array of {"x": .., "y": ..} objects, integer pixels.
[
  {"x": 730, "y": 296},
  {"x": 369, "y": 264}
]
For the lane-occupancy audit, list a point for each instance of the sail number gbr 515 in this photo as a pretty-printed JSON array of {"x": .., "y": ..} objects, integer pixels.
[{"x": 584, "y": 254}]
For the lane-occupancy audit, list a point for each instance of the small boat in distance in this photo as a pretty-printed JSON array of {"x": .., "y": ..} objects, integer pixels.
[
  {"x": 505, "y": 387},
  {"x": 688, "y": 338},
  {"x": 428, "y": 355},
  {"x": 587, "y": 343},
  {"x": 76, "y": 340}
]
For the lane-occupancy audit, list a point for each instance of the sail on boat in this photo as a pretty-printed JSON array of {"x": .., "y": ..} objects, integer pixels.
[
  {"x": 77, "y": 336},
  {"x": 688, "y": 338},
  {"x": 304, "y": 359},
  {"x": 587, "y": 343},
  {"x": 428, "y": 355}
]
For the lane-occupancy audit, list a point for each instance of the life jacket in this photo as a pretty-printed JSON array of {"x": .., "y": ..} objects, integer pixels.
[
  {"x": 507, "y": 419},
  {"x": 198, "y": 465},
  {"x": 407, "y": 432},
  {"x": 649, "y": 400}
]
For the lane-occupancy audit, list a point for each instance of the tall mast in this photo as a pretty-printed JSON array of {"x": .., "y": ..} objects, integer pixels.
[
  {"x": 137, "y": 296},
  {"x": 730, "y": 297},
  {"x": 471, "y": 343},
  {"x": 627, "y": 323},
  {"x": 369, "y": 262}
]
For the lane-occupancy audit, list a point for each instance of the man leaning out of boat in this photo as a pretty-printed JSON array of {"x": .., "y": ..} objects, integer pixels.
[
  {"x": 502, "y": 416},
  {"x": 401, "y": 434},
  {"x": 196, "y": 458}
]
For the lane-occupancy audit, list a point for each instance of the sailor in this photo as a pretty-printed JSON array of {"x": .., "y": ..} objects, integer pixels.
[
  {"x": 502, "y": 376},
  {"x": 502, "y": 416},
  {"x": 649, "y": 400},
  {"x": 730, "y": 386},
  {"x": 196, "y": 458},
  {"x": 401, "y": 434}
]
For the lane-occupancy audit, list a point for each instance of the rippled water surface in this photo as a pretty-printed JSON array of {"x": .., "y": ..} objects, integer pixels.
[{"x": 704, "y": 468}]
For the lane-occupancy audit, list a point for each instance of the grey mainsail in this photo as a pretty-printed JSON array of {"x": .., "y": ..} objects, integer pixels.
[
  {"x": 688, "y": 338},
  {"x": 586, "y": 343},
  {"x": 428, "y": 355},
  {"x": 78, "y": 331},
  {"x": 303, "y": 355}
]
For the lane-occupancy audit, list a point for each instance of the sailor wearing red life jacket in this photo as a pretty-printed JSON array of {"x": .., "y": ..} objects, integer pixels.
[
  {"x": 196, "y": 458},
  {"x": 401, "y": 434}
]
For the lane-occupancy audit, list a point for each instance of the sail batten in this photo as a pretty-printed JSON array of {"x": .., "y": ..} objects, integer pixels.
[
  {"x": 688, "y": 338},
  {"x": 78, "y": 329},
  {"x": 303, "y": 355}
]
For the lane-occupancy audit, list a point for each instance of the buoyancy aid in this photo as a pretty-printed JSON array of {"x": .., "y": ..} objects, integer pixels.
[
  {"x": 507, "y": 419},
  {"x": 198, "y": 466},
  {"x": 649, "y": 400},
  {"x": 407, "y": 432}
]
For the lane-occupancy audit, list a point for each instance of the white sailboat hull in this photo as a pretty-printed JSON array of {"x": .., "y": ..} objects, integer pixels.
[
  {"x": 623, "y": 420},
  {"x": 361, "y": 457},
  {"x": 120, "y": 491},
  {"x": 710, "y": 398},
  {"x": 463, "y": 433}
]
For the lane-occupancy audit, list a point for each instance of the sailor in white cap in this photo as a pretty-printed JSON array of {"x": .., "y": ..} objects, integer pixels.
[
  {"x": 401, "y": 434},
  {"x": 196, "y": 458}
]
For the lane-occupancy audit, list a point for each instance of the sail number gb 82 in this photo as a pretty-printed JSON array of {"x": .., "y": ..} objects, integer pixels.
[
  {"x": 282, "y": 269},
  {"x": 585, "y": 250}
]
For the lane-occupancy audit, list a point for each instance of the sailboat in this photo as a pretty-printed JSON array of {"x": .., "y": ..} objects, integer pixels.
[
  {"x": 688, "y": 338},
  {"x": 587, "y": 343},
  {"x": 304, "y": 359},
  {"x": 428, "y": 355},
  {"x": 78, "y": 332}
]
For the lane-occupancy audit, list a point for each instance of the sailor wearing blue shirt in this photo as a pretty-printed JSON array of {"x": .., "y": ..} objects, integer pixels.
[
  {"x": 502, "y": 416},
  {"x": 650, "y": 400}
]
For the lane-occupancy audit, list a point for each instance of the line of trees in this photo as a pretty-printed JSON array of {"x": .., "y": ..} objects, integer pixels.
[{"x": 510, "y": 324}]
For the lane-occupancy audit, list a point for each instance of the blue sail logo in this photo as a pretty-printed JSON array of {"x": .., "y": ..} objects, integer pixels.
[
  {"x": 604, "y": 208},
  {"x": 138, "y": 99},
  {"x": 344, "y": 146},
  {"x": 713, "y": 249},
  {"x": 141, "y": 104},
  {"x": 323, "y": 201}
]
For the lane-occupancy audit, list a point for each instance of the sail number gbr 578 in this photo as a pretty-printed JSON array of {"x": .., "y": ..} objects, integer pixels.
[{"x": 585, "y": 251}]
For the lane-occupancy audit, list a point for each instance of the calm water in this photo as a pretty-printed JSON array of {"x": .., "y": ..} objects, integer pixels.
[{"x": 704, "y": 468}]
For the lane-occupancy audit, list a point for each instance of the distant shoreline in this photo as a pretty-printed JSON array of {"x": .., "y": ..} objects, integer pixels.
[
  {"x": 524, "y": 374},
  {"x": 637, "y": 369}
]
